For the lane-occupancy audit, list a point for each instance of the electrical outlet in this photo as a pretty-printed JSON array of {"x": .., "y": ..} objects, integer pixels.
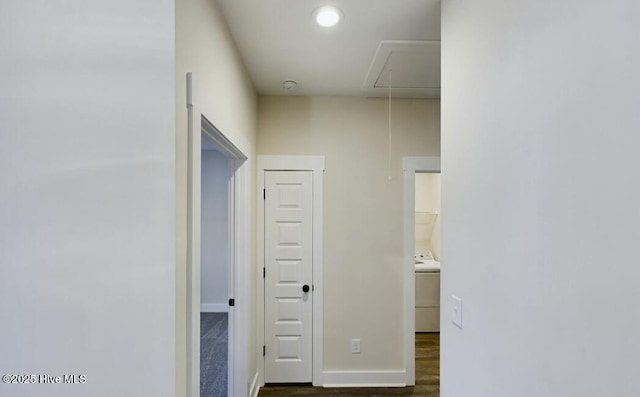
[
  {"x": 355, "y": 346},
  {"x": 456, "y": 311}
]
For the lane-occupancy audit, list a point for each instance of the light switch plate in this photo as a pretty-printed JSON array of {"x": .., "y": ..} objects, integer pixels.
[
  {"x": 456, "y": 311},
  {"x": 355, "y": 346}
]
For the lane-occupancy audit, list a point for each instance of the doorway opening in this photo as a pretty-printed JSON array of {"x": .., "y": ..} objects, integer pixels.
[
  {"x": 427, "y": 251},
  {"x": 427, "y": 279},
  {"x": 217, "y": 256},
  {"x": 421, "y": 265},
  {"x": 216, "y": 269}
]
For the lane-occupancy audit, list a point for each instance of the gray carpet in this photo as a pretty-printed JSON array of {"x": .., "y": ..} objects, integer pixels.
[{"x": 213, "y": 354}]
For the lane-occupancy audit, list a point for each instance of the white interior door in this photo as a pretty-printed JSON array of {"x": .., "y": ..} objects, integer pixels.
[{"x": 288, "y": 274}]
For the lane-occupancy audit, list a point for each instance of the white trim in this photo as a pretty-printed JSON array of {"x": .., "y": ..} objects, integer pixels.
[
  {"x": 421, "y": 164},
  {"x": 255, "y": 386},
  {"x": 411, "y": 165},
  {"x": 259, "y": 270},
  {"x": 224, "y": 145},
  {"x": 242, "y": 280},
  {"x": 238, "y": 342},
  {"x": 295, "y": 163},
  {"x": 193, "y": 245},
  {"x": 364, "y": 378},
  {"x": 214, "y": 308},
  {"x": 232, "y": 320}
]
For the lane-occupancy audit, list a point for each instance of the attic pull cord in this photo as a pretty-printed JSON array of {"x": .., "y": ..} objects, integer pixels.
[{"x": 389, "y": 147}]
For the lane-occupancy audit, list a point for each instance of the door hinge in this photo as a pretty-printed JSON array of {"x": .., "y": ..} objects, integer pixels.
[
  {"x": 232, "y": 302},
  {"x": 264, "y": 350},
  {"x": 264, "y": 272},
  {"x": 264, "y": 194}
]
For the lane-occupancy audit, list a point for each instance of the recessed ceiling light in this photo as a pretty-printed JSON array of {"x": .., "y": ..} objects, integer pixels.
[{"x": 327, "y": 16}]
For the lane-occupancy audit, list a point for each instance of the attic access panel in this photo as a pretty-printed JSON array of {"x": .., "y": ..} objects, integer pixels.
[{"x": 414, "y": 67}]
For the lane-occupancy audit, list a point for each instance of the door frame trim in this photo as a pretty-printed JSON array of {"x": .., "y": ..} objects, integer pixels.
[
  {"x": 411, "y": 165},
  {"x": 239, "y": 244},
  {"x": 294, "y": 163}
]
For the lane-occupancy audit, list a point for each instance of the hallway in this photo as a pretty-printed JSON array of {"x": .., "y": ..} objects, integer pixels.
[{"x": 427, "y": 377}]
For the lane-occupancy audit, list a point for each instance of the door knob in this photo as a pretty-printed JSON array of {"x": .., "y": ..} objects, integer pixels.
[{"x": 305, "y": 288}]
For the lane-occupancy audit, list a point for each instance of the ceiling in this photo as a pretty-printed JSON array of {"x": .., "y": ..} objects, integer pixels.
[{"x": 376, "y": 41}]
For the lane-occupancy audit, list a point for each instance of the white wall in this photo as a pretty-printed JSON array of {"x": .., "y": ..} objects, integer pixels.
[
  {"x": 214, "y": 231},
  {"x": 363, "y": 213},
  {"x": 539, "y": 100},
  {"x": 204, "y": 47},
  {"x": 87, "y": 196},
  {"x": 427, "y": 192}
]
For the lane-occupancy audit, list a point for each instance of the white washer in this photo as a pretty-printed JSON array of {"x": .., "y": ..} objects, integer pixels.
[{"x": 427, "y": 309}]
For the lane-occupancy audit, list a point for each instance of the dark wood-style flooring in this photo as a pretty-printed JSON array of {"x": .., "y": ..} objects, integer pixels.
[{"x": 427, "y": 377}]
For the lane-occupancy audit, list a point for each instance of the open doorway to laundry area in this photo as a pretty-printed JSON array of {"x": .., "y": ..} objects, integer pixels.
[
  {"x": 422, "y": 273},
  {"x": 427, "y": 279}
]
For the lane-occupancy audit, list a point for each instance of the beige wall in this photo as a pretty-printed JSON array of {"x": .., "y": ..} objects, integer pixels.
[
  {"x": 428, "y": 199},
  {"x": 204, "y": 47},
  {"x": 363, "y": 214}
]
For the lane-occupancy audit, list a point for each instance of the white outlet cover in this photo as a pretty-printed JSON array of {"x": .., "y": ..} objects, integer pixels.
[{"x": 456, "y": 311}]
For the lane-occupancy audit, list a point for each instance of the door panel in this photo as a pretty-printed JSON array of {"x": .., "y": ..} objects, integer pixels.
[{"x": 288, "y": 262}]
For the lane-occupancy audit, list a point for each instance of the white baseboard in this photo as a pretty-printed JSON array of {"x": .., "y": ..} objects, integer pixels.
[
  {"x": 255, "y": 387},
  {"x": 364, "y": 378},
  {"x": 214, "y": 308}
]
